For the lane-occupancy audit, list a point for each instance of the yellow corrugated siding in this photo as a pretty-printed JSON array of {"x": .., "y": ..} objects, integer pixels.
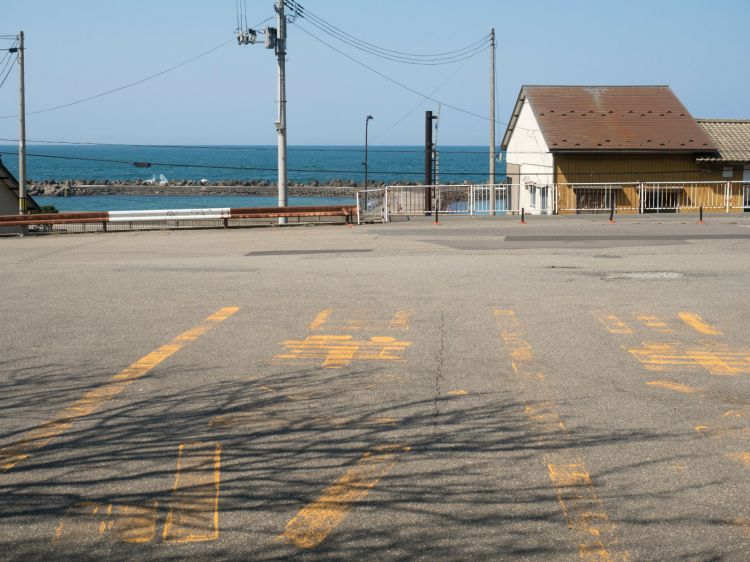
[
  {"x": 625, "y": 168},
  {"x": 580, "y": 168}
]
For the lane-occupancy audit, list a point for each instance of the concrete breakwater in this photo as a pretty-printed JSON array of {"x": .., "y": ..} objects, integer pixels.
[{"x": 69, "y": 188}]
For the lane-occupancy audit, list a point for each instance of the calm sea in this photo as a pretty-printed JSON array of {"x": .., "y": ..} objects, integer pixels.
[{"x": 392, "y": 164}]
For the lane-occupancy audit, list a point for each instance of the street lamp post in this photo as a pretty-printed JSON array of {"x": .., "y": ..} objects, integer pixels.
[{"x": 367, "y": 124}]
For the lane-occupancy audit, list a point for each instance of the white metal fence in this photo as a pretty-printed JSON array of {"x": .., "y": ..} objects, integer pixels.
[
  {"x": 740, "y": 195},
  {"x": 406, "y": 200},
  {"x": 632, "y": 197},
  {"x": 595, "y": 197}
]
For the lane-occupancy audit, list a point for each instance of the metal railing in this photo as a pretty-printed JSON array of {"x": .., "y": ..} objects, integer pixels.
[
  {"x": 739, "y": 195},
  {"x": 412, "y": 200},
  {"x": 653, "y": 197},
  {"x": 597, "y": 197},
  {"x": 674, "y": 197}
]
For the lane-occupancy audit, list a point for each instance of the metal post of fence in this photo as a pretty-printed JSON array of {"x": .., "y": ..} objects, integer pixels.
[
  {"x": 386, "y": 218},
  {"x": 471, "y": 200},
  {"x": 728, "y": 195},
  {"x": 642, "y": 191},
  {"x": 437, "y": 205},
  {"x": 359, "y": 221}
]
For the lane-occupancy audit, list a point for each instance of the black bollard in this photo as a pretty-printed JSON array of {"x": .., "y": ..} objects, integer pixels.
[
  {"x": 612, "y": 214},
  {"x": 701, "y": 215},
  {"x": 523, "y": 215}
]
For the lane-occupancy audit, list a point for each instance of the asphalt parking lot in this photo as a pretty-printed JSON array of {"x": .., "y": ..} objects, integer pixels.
[{"x": 565, "y": 389}]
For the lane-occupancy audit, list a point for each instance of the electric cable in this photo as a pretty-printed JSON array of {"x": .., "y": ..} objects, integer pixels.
[
  {"x": 124, "y": 87},
  {"x": 480, "y": 48},
  {"x": 394, "y": 81},
  {"x": 10, "y": 68},
  {"x": 314, "y": 171},
  {"x": 311, "y": 16}
]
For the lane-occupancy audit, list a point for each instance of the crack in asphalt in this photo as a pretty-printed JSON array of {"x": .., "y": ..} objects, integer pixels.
[{"x": 439, "y": 371}]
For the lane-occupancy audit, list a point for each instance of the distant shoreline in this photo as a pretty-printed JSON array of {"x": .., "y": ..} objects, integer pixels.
[{"x": 260, "y": 188}]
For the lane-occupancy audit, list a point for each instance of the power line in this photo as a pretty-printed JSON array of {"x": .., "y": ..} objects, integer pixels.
[
  {"x": 120, "y": 88},
  {"x": 376, "y": 149},
  {"x": 327, "y": 171},
  {"x": 420, "y": 104},
  {"x": 393, "y": 80},
  {"x": 469, "y": 52},
  {"x": 337, "y": 32},
  {"x": 10, "y": 68}
]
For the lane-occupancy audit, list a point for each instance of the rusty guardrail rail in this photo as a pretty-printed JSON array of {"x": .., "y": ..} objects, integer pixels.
[{"x": 176, "y": 218}]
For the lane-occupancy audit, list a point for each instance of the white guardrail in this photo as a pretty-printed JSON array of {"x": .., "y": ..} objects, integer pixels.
[{"x": 169, "y": 214}]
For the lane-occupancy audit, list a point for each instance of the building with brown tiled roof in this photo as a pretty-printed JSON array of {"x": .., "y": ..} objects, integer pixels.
[{"x": 622, "y": 136}]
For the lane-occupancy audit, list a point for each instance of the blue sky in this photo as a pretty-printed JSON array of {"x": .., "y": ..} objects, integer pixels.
[{"x": 81, "y": 47}]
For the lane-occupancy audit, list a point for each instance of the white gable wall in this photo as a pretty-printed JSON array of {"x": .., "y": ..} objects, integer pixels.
[{"x": 528, "y": 149}]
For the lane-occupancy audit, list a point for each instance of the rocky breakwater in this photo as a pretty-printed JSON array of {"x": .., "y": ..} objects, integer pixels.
[{"x": 70, "y": 188}]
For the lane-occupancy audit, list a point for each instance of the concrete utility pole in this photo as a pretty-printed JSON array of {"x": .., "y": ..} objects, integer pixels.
[
  {"x": 428, "y": 117},
  {"x": 281, "y": 123},
  {"x": 492, "y": 121},
  {"x": 22, "y": 132}
]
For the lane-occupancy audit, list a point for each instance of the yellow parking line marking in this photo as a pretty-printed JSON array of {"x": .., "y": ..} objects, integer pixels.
[
  {"x": 677, "y": 387},
  {"x": 716, "y": 359},
  {"x": 583, "y": 510},
  {"x": 320, "y": 319},
  {"x": 458, "y": 392},
  {"x": 743, "y": 457},
  {"x": 544, "y": 415},
  {"x": 655, "y": 323},
  {"x": 401, "y": 319},
  {"x": 194, "y": 509},
  {"x": 93, "y": 400},
  {"x": 315, "y": 522},
  {"x": 698, "y": 324},
  {"x": 136, "y": 523},
  {"x": 78, "y": 518},
  {"x": 744, "y": 523},
  {"x": 614, "y": 325},
  {"x": 129, "y": 523}
]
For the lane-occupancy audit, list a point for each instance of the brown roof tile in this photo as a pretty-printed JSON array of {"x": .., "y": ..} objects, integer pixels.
[
  {"x": 731, "y": 137},
  {"x": 615, "y": 118}
]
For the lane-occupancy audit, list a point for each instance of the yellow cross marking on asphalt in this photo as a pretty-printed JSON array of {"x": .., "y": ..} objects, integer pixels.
[
  {"x": 335, "y": 352},
  {"x": 699, "y": 324},
  {"x": 716, "y": 359},
  {"x": 655, "y": 323},
  {"x": 614, "y": 325},
  {"x": 677, "y": 387}
]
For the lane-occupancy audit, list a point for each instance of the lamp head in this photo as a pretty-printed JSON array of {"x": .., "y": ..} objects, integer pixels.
[{"x": 369, "y": 117}]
